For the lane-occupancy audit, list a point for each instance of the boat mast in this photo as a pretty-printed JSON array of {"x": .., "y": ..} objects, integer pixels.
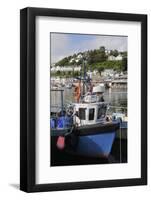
[
  {"x": 84, "y": 74},
  {"x": 61, "y": 101}
]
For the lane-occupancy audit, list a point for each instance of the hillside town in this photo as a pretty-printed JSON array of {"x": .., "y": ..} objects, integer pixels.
[{"x": 107, "y": 66}]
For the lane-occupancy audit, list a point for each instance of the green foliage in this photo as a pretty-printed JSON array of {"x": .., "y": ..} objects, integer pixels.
[
  {"x": 109, "y": 64},
  {"x": 114, "y": 53},
  {"x": 124, "y": 53},
  {"x": 76, "y": 74},
  {"x": 102, "y": 49},
  {"x": 124, "y": 64},
  {"x": 64, "y": 62},
  {"x": 97, "y": 55},
  {"x": 100, "y": 69}
]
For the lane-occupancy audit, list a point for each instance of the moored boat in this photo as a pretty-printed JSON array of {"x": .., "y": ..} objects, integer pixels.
[
  {"x": 84, "y": 128},
  {"x": 123, "y": 120}
]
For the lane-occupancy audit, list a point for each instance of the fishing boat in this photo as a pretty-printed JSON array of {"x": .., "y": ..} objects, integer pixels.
[{"x": 83, "y": 128}]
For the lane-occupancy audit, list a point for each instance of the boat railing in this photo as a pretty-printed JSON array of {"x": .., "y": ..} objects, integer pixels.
[
  {"x": 121, "y": 109},
  {"x": 118, "y": 113}
]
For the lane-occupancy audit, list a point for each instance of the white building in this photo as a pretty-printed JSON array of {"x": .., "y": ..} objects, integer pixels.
[
  {"x": 71, "y": 60},
  {"x": 76, "y": 59},
  {"x": 111, "y": 58},
  {"x": 79, "y": 56},
  {"x": 65, "y": 68},
  {"x": 77, "y": 68},
  {"x": 107, "y": 52},
  {"x": 108, "y": 72},
  {"x": 119, "y": 57}
]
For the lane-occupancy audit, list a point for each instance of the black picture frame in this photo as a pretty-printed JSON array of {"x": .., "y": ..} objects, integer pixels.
[{"x": 28, "y": 99}]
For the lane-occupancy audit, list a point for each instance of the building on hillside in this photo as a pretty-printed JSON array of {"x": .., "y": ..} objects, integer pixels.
[
  {"x": 108, "y": 73},
  {"x": 119, "y": 57},
  {"x": 79, "y": 56},
  {"x": 111, "y": 57},
  {"x": 65, "y": 68},
  {"x": 107, "y": 52},
  {"x": 71, "y": 60}
]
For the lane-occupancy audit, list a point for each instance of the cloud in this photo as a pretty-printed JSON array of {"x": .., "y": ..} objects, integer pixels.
[
  {"x": 59, "y": 46},
  {"x": 111, "y": 42}
]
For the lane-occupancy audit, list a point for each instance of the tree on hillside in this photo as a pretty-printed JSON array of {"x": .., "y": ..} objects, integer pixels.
[
  {"x": 114, "y": 53},
  {"x": 102, "y": 49},
  {"x": 100, "y": 69},
  {"x": 97, "y": 55},
  {"x": 63, "y": 62},
  {"x": 124, "y": 64},
  {"x": 124, "y": 53}
]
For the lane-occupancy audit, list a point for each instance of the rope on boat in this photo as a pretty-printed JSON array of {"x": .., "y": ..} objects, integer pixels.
[
  {"x": 118, "y": 107},
  {"x": 68, "y": 133}
]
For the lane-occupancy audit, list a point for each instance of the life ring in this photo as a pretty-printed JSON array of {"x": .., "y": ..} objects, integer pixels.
[{"x": 77, "y": 92}]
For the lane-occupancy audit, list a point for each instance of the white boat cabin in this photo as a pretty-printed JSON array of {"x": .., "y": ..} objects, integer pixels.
[{"x": 89, "y": 113}]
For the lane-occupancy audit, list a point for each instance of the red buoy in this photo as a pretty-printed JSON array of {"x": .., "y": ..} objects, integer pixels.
[{"x": 61, "y": 142}]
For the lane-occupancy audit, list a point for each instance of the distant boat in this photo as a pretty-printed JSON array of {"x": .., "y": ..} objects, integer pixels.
[
  {"x": 53, "y": 87},
  {"x": 56, "y": 86},
  {"x": 123, "y": 120},
  {"x": 68, "y": 85}
]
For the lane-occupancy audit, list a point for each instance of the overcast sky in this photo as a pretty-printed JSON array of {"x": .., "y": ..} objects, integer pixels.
[{"x": 67, "y": 44}]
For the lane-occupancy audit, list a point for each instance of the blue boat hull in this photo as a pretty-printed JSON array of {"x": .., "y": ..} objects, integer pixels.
[
  {"x": 90, "y": 140},
  {"x": 98, "y": 145}
]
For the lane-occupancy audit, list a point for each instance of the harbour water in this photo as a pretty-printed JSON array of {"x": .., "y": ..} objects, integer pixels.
[{"x": 117, "y": 99}]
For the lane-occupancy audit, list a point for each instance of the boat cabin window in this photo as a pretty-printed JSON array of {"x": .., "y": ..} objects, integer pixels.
[
  {"x": 101, "y": 111},
  {"x": 82, "y": 113},
  {"x": 91, "y": 113}
]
